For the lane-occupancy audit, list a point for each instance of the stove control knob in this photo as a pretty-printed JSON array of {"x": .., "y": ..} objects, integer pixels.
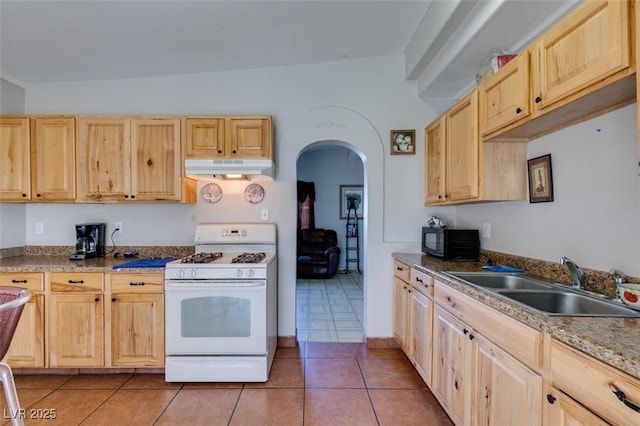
[
  {"x": 252, "y": 272},
  {"x": 180, "y": 273},
  {"x": 239, "y": 273},
  {"x": 194, "y": 272}
]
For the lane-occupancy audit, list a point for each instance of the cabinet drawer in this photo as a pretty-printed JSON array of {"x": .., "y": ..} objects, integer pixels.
[
  {"x": 422, "y": 282},
  {"x": 521, "y": 341},
  {"x": 401, "y": 271},
  {"x": 137, "y": 283},
  {"x": 75, "y": 281},
  {"x": 31, "y": 280},
  {"x": 592, "y": 383}
]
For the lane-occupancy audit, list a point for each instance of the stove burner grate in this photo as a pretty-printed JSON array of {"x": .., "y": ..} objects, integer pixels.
[
  {"x": 202, "y": 258},
  {"x": 249, "y": 258}
]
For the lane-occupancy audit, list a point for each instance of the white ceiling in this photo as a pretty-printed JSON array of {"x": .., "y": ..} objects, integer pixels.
[{"x": 445, "y": 42}]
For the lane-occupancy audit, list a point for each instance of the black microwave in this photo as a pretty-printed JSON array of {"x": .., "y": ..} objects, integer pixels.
[{"x": 451, "y": 243}]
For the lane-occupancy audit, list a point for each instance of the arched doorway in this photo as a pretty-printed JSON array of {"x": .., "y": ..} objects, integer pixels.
[{"x": 330, "y": 303}]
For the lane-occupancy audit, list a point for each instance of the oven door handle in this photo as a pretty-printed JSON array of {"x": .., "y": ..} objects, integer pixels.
[{"x": 227, "y": 285}]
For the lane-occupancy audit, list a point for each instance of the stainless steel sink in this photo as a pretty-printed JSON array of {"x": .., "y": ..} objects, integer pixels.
[
  {"x": 500, "y": 281},
  {"x": 569, "y": 303}
]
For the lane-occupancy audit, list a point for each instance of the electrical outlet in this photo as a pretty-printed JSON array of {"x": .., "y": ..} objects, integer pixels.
[
  {"x": 39, "y": 228},
  {"x": 264, "y": 214},
  {"x": 486, "y": 231},
  {"x": 117, "y": 226}
]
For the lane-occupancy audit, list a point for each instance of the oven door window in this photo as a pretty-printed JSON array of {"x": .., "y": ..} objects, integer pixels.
[{"x": 215, "y": 316}]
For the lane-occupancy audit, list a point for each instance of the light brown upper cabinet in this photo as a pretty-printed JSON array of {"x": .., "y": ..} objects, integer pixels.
[
  {"x": 460, "y": 168},
  {"x": 129, "y": 159},
  {"x": 504, "y": 96},
  {"x": 37, "y": 158},
  {"x": 227, "y": 137},
  {"x": 590, "y": 44},
  {"x": 53, "y": 156},
  {"x": 15, "y": 181}
]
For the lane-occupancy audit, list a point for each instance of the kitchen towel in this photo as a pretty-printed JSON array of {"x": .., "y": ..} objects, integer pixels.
[
  {"x": 502, "y": 268},
  {"x": 144, "y": 263}
]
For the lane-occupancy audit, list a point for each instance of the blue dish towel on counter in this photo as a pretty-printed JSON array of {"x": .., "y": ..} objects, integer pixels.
[
  {"x": 502, "y": 268},
  {"x": 144, "y": 263}
]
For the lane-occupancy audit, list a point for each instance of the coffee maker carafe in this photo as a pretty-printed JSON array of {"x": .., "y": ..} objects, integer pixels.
[{"x": 89, "y": 241}]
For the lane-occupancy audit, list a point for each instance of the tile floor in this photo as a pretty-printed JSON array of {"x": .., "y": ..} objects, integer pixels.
[
  {"x": 330, "y": 310},
  {"x": 314, "y": 384}
]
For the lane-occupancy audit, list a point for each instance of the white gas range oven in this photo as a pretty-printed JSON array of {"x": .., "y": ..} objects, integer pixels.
[{"x": 221, "y": 306}]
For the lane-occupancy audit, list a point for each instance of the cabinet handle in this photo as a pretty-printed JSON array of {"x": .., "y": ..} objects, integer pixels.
[
  {"x": 133, "y": 196},
  {"x": 538, "y": 99},
  {"x": 76, "y": 281},
  {"x": 38, "y": 195},
  {"x": 24, "y": 195},
  {"x": 19, "y": 281},
  {"x": 113, "y": 299},
  {"x": 219, "y": 151},
  {"x": 518, "y": 110},
  {"x": 234, "y": 151},
  {"x": 419, "y": 279},
  {"x": 471, "y": 337},
  {"x": 97, "y": 299},
  {"x": 550, "y": 398},
  {"x": 398, "y": 268},
  {"x": 622, "y": 397},
  {"x": 126, "y": 196},
  {"x": 465, "y": 331},
  {"x": 136, "y": 284}
]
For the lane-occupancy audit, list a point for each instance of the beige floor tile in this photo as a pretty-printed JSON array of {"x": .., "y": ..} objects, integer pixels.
[
  {"x": 66, "y": 407},
  {"x": 195, "y": 407},
  {"x": 132, "y": 407},
  {"x": 40, "y": 381},
  {"x": 149, "y": 381},
  {"x": 322, "y": 336},
  {"x": 332, "y": 373},
  {"x": 26, "y": 397},
  {"x": 285, "y": 373},
  {"x": 390, "y": 374},
  {"x": 336, "y": 407},
  {"x": 407, "y": 408},
  {"x": 97, "y": 381},
  {"x": 278, "y": 407}
]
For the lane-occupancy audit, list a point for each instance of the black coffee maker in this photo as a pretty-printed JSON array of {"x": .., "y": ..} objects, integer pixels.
[{"x": 89, "y": 241}]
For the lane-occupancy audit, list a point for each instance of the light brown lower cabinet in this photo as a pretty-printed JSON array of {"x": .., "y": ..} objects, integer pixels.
[
  {"x": 562, "y": 410},
  {"x": 137, "y": 320},
  {"x": 27, "y": 345}
]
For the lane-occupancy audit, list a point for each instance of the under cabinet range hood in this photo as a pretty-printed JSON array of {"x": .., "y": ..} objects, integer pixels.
[{"x": 229, "y": 166}]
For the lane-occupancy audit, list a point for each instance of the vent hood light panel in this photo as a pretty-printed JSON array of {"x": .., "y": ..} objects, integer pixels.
[{"x": 254, "y": 168}]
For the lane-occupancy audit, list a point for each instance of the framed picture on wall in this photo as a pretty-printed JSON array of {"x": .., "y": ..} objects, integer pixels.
[
  {"x": 540, "y": 179},
  {"x": 403, "y": 142},
  {"x": 351, "y": 195}
]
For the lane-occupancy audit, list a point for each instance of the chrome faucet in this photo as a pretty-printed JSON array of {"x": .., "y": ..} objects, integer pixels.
[
  {"x": 619, "y": 277},
  {"x": 576, "y": 273}
]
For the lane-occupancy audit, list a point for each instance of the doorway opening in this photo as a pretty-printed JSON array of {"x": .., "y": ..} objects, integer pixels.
[{"x": 330, "y": 301}]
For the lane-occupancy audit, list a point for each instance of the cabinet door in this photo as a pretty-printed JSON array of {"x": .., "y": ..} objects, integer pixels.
[
  {"x": 505, "y": 392},
  {"x": 27, "y": 345},
  {"x": 76, "y": 324},
  {"x": 137, "y": 330},
  {"x": 562, "y": 410},
  {"x": 588, "y": 45},
  {"x": 204, "y": 137},
  {"x": 451, "y": 354},
  {"x": 249, "y": 138},
  {"x": 434, "y": 162},
  {"x": 400, "y": 312},
  {"x": 104, "y": 170},
  {"x": 14, "y": 159},
  {"x": 156, "y": 160},
  {"x": 421, "y": 323},
  {"x": 504, "y": 97},
  {"x": 462, "y": 150},
  {"x": 53, "y": 158}
]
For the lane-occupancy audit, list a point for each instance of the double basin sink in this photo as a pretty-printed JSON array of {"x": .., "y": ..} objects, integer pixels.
[{"x": 545, "y": 297}]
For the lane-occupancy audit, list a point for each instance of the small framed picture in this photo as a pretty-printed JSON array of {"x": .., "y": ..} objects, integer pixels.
[
  {"x": 351, "y": 198},
  {"x": 403, "y": 142},
  {"x": 540, "y": 179}
]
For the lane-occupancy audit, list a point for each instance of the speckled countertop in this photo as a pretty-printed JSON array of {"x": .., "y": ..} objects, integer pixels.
[{"x": 615, "y": 341}]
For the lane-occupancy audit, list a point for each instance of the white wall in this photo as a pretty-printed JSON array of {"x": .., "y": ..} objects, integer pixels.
[
  {"x": 328, "y": 170},
  {"x": 372, "y": 90},
  {"x": 595, "y": 216},
  {"x": 12, "y": 216}
]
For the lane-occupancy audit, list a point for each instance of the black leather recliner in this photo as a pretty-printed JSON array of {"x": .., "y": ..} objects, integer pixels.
[{"x": 318, "y": 253}]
